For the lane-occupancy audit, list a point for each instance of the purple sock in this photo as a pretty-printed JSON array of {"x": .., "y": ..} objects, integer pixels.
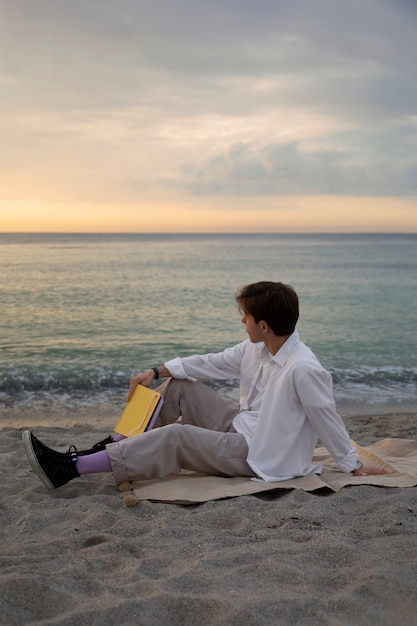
[{"x": 94, "y": 463}]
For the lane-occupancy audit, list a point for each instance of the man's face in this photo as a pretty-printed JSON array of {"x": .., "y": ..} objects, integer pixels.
[{"x": 253, "y": 329}]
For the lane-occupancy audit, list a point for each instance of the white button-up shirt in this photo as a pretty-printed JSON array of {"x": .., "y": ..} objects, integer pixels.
[{"x": 286, "y": 404}]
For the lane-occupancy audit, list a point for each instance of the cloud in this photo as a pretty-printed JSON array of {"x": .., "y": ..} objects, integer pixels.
[
  {"x": 368, "y": 162},
  {"x": 244, "y": 97},
  {"x": 190, "y": 55}
]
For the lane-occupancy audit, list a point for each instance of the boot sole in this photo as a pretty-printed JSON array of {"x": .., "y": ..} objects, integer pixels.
[{"x": 33, "y": 461}]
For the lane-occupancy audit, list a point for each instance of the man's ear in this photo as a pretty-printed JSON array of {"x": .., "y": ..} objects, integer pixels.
[{"x": 264, "y": 327}]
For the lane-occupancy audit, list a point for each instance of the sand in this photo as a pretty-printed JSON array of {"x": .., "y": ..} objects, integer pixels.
[{"x": 77, "y": 555}]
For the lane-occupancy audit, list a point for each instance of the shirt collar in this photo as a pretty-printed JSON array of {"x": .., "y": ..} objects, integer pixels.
[{"x": 284, "y": 352}]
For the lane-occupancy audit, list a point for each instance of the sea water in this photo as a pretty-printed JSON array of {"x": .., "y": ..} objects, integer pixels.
[{"x": 81, "y": 313}]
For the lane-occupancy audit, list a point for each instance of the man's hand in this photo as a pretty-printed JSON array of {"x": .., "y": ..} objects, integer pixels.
[
  {"x": 146, "y": 379},
  {"x": 370, "y": 471}
]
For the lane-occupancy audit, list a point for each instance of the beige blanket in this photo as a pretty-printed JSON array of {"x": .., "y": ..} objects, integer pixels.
[{"x": 397, "y": 456}]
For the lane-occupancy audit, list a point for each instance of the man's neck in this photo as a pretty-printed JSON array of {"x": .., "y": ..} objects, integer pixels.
[{"x": 274, "y": 342}]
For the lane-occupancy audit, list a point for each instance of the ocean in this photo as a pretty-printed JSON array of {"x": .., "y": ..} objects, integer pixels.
[{"x": 81, "y": 313}]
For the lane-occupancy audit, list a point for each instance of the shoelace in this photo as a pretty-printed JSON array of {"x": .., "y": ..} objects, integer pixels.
[{"x": 73, "y": 452}]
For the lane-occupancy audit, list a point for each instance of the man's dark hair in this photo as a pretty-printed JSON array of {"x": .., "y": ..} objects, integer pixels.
[{"x": 274, "y": 303}]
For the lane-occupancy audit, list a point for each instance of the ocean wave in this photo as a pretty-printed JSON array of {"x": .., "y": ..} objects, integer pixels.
[
  {"x": 375, "y": 376},
  {"x": 71, "y": 379},
  {"x": 359, "y": 393},
  {"x": 62, "y": 380}
]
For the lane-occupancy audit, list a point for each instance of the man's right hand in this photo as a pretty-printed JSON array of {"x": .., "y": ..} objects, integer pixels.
[{"x": 146, "y": 379}]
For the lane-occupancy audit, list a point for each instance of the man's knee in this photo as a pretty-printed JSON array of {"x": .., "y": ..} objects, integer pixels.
[{"x": 174, "y": 387}]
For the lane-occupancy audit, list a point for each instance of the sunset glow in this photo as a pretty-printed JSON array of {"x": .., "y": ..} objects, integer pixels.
[{"x": 118, "y": 120}]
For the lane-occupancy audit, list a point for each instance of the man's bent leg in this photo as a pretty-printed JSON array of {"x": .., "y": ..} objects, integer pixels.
[
  {"x": 197, "y": 404},
  {"x": 167, "y": 450}
]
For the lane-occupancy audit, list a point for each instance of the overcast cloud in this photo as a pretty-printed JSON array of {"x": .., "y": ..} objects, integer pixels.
[{"x": 233, "y": 97}]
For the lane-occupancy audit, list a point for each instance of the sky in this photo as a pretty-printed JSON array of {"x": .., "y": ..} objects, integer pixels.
[{"x": 208, "y": 116}]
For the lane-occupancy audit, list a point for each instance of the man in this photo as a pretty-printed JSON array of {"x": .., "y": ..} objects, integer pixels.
[{"x": 286, "y": 404}]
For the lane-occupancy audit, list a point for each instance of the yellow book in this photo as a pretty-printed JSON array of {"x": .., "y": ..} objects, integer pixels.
[{"x": 140, "y": 412}]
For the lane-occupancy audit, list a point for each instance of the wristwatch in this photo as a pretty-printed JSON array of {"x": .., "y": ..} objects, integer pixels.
[{"x": 358, "y": 466}]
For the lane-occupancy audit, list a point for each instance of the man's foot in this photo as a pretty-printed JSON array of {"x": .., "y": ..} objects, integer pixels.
[{"x": 53, "y": 468}]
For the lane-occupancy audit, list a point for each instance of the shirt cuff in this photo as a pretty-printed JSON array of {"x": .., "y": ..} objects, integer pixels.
[
  {"x": 176, "y": 369},
  {"x": 348, "y": 463}
]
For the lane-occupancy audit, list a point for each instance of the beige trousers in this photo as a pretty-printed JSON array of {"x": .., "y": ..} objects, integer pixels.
[{"x": 203, "y": 441}]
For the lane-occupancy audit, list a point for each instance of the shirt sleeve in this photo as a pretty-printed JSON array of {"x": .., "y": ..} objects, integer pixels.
[
  {"x": 219, "y": 365},
  {"x": 314, "y": 389}
]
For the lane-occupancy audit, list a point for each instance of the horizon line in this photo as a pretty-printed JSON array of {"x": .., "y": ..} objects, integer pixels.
[{"x": 214, "y": 232}]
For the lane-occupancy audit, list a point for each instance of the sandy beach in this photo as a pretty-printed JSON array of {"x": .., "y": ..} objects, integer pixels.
[{"x": 77, "y": 555}]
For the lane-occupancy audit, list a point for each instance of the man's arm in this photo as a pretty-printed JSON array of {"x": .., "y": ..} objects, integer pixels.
[
  {"x": 219, "y": 365},
  {"x": 314, "y": 391}
]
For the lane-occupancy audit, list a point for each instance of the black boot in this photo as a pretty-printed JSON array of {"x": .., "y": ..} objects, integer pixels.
[
  {"x": 53, "y": 468},
  {"x": 98, "y": 447}
]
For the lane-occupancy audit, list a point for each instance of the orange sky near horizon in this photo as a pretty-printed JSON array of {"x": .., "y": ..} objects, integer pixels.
[{"x": 257, "y": 215}]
